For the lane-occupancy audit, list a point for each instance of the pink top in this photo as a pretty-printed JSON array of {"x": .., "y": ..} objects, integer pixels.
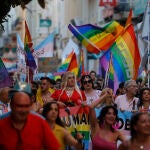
[{"x": 99, "y": 143}]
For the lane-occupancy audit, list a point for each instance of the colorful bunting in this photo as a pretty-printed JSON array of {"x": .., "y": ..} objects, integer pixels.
[{"x": 11, "y": 65}]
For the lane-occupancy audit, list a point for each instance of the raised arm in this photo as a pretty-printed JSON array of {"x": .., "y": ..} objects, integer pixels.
[
  {"x": 71, "y": 141},
  {"x": 100, "y": 100},
  {"x": 92, "y": 115}
]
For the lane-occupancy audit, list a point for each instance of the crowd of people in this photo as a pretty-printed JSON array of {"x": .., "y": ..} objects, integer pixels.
[{"x": 30, "y": 114}]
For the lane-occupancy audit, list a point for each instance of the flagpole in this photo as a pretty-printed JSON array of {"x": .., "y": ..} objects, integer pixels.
[
  {"x": 148, "y": 44},
  {"x": 107, "y": 72},
  {"x": 28, "y": 74}
]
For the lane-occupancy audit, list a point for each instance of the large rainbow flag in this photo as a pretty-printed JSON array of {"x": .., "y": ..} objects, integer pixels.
[
  {"x": 95, "y": 38},
  {"x": 125, "y": 56}
]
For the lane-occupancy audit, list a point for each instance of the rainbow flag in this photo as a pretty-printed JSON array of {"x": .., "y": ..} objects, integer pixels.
[
  {"x": 125, "y": 56},
  {"x": 4, "y": 76},
  {"x": 95, "y": 38},
  {"x": 109, "y": 77},
  {"x": 73, "y": 65},
  {"x": 30, "y": 62},
  {"x": 129, "y": 19},
  {"x": 27, "y": 38},
  {"x": 81, "y": 65},
  {"x": 65, "y": 64},
  {"x": 29, "y": 58}
]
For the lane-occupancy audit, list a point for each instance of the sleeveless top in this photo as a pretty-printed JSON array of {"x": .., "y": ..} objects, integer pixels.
[
  {"x": 102, "y": 144},
  {"x": 59, "y": 133},
  {"x": 93, "y": 97}
]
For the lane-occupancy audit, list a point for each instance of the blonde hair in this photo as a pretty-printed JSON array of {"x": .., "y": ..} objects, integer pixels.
[
  {"x": 106, "y": 90},
  {"x": 64, "y": 83}
]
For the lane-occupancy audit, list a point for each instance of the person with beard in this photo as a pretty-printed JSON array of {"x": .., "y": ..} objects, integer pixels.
[
  {"x": 128, "y": 101},
  {"x": 45, "y": 91}
]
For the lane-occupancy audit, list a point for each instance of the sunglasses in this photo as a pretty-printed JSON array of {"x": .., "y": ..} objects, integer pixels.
[{"x": 86, "y": 82}]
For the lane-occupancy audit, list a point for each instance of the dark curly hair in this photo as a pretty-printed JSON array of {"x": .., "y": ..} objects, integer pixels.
[
  {"x": 82, "y": 80},
  {"x": 103, "y": 113},
  {"x": 47, "y": 108},
  {"x": 141, "y": 95}
]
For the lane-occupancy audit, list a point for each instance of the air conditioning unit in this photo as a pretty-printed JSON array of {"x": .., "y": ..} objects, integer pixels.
[{"x": 77, "y": 21}]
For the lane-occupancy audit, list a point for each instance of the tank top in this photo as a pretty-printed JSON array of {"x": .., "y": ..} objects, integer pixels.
[{"x": 102, "y": 144}]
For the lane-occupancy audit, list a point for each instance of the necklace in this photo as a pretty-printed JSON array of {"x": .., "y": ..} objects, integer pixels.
[
  {"x": 141, "y": 147},
  {"x": 69, "y": 92}
]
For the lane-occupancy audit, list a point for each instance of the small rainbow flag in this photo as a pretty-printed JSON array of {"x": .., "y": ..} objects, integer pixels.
[
  {"x": 73, "y": 65},
  {"x": 29, "y": 58},
  {"x": 27, "y": 38},
  {"x": 109, "y": 77},
  {"x": 65, "y": 64},
  {"x": 81, "y": 65},
  {"x": 95, "y": 38}
]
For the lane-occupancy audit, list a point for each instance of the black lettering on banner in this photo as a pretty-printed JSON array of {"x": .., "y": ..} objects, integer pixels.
[
  {"x": 75, "y": 119},
  {"x": 83, "y": 119},
  {"x": 121, "y": 123},
  {"x": 127, "y": 124}
]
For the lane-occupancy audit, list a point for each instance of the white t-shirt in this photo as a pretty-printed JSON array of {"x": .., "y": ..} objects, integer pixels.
[
  {"x": 123, "y": 103},
  {"x": 92, "y": 97}
]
